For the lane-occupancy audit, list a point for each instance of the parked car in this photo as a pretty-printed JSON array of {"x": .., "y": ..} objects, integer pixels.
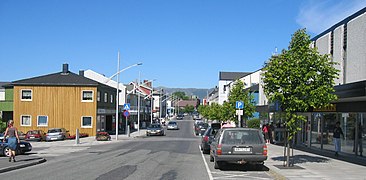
[
  {"x": 57, "y": 134},
  {"x": 1, "y": 136},
  {"x": 238, "y": 145},
  {"x": 21, "y": 135},
  {"x": 180, "y": 116},
  {"x": 172, "y": 125},
  {"x": 200, "y": 128},
  {"x": 103, "y": 136},
  {"x": 23, "y": 147},
  {"x": 155, "y": 129},
  {"x": 208, "y": 137},
  {"x": 35, "y": 135}
]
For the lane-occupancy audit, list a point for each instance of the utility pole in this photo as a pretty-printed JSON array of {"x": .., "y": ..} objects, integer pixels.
[{"x": 117, "y": 97}]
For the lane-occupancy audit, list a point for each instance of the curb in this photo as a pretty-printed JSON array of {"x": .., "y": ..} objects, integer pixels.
[{"x": 7, "y": 169}]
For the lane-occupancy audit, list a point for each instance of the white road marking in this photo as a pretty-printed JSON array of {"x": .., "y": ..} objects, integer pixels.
[{"x": 207, "y": 168}]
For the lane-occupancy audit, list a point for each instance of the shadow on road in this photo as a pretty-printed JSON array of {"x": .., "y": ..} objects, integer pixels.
[
  {"x": 299, "y": 159},
  {"x": 245, "y": 167}
]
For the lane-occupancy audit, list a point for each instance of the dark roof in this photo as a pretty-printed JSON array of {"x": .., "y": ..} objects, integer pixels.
[
  {"x": 58, "y": 79},
  {"x": 344, "y": 21},
  {"x": 232, "y": 76},
  {"x": 5, "y": 84},
  {"x": 349, "y": 90}
]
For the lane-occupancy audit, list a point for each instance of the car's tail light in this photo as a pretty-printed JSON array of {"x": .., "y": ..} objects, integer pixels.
[
  {"x": 265, "y": 151},
  {"x": 219, "y": 150},
  {"x": 205, "y": 138}
]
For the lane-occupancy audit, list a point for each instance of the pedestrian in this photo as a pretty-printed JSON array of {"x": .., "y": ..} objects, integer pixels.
[
  {"x": 337, "y": 132},
  {"x": 265, "y": 131},
  {"x": 13, "y": 139}
]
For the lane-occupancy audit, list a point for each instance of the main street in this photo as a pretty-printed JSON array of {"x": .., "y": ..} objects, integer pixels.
[{"x": 174, "y": 156}]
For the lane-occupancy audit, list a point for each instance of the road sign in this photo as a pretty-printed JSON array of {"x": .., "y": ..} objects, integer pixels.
[
  {"x": 126, "y": 106},
  {"x": 239, "y": 112},
  {"x": 126, "y": 113},
  {"x": 239, "y": 105}
]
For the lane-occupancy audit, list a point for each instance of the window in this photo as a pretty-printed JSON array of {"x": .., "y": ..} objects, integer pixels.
[
  {"x": 25, "y": 120},
  {"x": 105, "y": 97},
  {"x": 111, "y": 98},
  {"x": 86, "y": 122},
  {"x": 98, "y": 96},
  {"x": 87, "y": 96},
  {"x": 42, "y": 121},
  {"x": 26, "y": 95}
]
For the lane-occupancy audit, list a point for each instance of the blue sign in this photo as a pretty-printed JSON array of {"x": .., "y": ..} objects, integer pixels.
[
  {"x": 239, "y": 104},
  {"x": 126, "y": 113},
  {"x": 127, "y": 106}
]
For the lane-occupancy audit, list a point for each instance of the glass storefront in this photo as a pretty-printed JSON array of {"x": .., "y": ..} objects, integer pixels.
[{"x": 353, "y": 126}]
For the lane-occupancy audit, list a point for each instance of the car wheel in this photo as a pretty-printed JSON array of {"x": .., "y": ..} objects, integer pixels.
[{"x": 7, "y": 151}]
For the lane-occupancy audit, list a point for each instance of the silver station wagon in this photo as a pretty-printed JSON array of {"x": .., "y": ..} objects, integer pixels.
[{"x": 238, "y": 145}]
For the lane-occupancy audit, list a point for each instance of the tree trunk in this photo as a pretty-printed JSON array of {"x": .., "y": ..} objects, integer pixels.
[{"x": 288, "y": 151}]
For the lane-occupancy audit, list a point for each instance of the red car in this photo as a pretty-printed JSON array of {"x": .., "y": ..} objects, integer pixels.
[{"x": 35, "y": 135}]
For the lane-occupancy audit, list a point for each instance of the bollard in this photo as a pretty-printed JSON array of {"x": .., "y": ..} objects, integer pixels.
[
  {"x": 77, "y": 137},
  {"x": 128, "y": 131}
]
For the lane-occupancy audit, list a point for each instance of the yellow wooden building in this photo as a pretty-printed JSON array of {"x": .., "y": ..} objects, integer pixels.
[{"x": 62, "y": 100}]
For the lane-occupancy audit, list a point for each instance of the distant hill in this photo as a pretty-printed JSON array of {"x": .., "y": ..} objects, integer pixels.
[{"x": 200, "y": 93}]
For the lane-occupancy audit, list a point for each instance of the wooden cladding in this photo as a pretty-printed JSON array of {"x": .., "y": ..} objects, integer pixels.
[{"x": 63, "y": 105}]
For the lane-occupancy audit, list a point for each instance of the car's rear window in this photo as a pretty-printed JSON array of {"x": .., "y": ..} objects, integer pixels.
[
  {"x": 203, "y": 125},
  {"x": 154, "y": 126},
  {"x": 54, "y": 130},
  {"x": 33, "y": 132},
  {"x": 241, "y": 137},
  {"x": 172, "y": 123}
]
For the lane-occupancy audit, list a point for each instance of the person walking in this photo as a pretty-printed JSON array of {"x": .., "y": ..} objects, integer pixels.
[
  {"x": 13, "y": 139},
  {"x": 265, "y": 131},
  {"x": 337, "y": 132}
]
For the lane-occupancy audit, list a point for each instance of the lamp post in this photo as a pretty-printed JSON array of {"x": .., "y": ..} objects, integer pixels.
[{"x": 117, "y": 95}]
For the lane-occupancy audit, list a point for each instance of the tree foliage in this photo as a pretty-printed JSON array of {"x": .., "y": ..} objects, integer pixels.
[
  {"x": 238, "y": 93},
  {"x": 180, "y": 95},
  {"x": 188, "y": 109},
  {"x": 299, "y": 78}
]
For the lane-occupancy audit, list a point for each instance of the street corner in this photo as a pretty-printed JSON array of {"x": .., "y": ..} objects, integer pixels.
[{"x": 21, "y": 162}]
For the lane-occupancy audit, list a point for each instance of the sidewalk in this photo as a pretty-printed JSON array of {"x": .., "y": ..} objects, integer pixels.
[
  {"x": 311, "y": 166},
  {"x": 30, "y": 159}
]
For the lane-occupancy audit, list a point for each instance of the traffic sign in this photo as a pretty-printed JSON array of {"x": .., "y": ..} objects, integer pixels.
[
  {"x": 126, "y": 113},
  {"x": 239, "y": 104},
  {"x": 239, "y": 112},
  {"x": 127, "y": 106}
]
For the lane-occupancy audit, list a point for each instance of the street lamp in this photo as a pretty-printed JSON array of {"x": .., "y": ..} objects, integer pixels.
[
  {"x": 139, "y": 101},
  {"x": 152, "y": 98},
  {"x": 117, "y": 99}
]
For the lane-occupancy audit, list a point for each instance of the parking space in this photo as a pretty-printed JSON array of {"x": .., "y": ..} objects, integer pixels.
[{"x": 236, "y": 171}]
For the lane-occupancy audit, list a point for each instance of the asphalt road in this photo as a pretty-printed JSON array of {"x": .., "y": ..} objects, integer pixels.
[{"x": 174, "y": 156}]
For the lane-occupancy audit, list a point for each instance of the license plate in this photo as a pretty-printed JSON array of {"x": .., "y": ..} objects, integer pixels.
[
  {"x": 203, "y": 129},
  {"x": 22, "y": 145},
  {"x": 242, "y": 149},
  {"x": 53, "y": 138},
  {"x": 31, "y": 137}
]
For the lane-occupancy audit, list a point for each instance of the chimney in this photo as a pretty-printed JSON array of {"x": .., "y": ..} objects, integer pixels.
[
  {"x": 147, "y": 83},
  {"x": 65, "y": 68},
  {"x": 81, "y": 73}
]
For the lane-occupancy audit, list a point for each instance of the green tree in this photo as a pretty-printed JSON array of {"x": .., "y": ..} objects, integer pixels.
[
  {"x": 2, "y": 125},
  {"x": 238, "y": 93},
  {"x": 180, "y": 95},
  {"x": 188, "y": 109},
  {"x": 299, "y": 78},
  {"x": 254, "y": 123}
]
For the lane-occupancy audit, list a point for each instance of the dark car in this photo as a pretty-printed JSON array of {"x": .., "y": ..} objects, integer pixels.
[
  {"x": 180, "y": 116},
  {"x": 155, "y": 129},
  {"x": 208, "y": 136},
  {"x": 35, "y": 135},
  {"x": 23, "y": 147},
  {"x": 200, "y": 128},
  {"x": 238, "y": 145}
]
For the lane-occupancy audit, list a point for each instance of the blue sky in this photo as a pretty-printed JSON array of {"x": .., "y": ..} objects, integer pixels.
[{"x": 182, "y": 43}]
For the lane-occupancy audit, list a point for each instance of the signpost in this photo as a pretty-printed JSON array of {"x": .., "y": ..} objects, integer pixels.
[
  {"x": 126, "y": 113},
  {"x": 239, "y": 110}
]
